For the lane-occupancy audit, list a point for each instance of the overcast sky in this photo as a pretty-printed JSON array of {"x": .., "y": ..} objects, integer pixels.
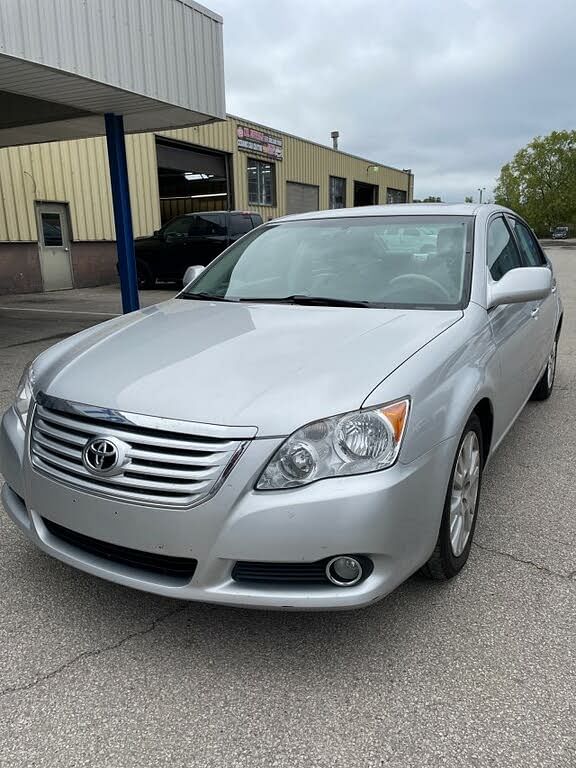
[{"x": 449, "y": 88}]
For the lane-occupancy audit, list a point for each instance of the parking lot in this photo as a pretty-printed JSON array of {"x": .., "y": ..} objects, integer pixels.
[{"x": 479, "y": 671}]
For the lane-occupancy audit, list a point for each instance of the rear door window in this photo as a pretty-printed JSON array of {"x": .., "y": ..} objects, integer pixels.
[{"x": 529, "y": 248}]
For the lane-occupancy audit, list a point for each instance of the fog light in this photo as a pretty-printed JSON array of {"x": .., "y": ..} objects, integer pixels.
[{"x": 344, "y": 571}]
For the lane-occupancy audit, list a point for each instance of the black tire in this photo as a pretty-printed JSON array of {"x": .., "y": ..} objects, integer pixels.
[
  {"x": 146, "y": 279},
  {"x": 444, "y": 564},
  {"x": 544, "y": 388}
]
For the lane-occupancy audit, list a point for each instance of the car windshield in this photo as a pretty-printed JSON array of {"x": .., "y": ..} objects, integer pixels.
[{"x": 409, "y": 261}]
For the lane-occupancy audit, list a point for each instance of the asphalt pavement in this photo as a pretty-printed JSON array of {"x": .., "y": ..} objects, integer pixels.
[{"x": 480, "y": 671}]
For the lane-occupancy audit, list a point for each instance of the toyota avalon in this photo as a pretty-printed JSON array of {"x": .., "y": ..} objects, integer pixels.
[{"x": 305, "y": 425}]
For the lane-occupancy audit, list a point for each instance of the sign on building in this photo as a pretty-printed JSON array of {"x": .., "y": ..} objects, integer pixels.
[{"x": 253, "y": 140}]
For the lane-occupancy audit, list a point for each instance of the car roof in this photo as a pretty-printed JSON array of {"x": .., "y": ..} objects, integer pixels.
[
  {"x": 214, "y": 213},
  {"x": 401, "y": 209}
]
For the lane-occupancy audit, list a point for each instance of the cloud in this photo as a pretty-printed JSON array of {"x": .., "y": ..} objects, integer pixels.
[{"x": 449, "y": 88}]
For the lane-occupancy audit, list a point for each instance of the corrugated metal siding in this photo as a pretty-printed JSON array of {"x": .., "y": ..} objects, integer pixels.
[
  {"x": 77, "y": 172},
  {"x": 304, "y": 162},
  {"x": 143, "y": 175},
  {"x": 169, "y": 50}
]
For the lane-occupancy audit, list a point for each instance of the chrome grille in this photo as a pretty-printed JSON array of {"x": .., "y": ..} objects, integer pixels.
[{"x": 164, "y": 464}]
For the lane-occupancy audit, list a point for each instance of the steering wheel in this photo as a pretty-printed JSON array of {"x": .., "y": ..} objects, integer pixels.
[{"x": 424, "y": 279}]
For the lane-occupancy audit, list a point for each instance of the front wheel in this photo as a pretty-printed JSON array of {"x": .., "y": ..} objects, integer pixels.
[
  {"x": 146, "y": 279},
  {"x": 460, "y": 507},
  {"x": 544, "y": 387}
]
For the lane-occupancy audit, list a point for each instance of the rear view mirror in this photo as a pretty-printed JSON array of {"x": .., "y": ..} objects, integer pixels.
[
  {"x": 191, "y": 274},
  {"x": 520, "y": 285}
]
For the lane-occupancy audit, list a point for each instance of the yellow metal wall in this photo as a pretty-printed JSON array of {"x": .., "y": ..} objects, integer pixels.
[
  {"x": 76, "y": 172},
  {"x": 303, "y": 162}
]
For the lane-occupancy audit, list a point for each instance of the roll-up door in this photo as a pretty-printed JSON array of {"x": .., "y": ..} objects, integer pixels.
[{"x": 301, "y": 198}]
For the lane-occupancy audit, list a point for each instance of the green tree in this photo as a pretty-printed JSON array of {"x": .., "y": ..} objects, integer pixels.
[
  {"x": 468, "y": 199},
  {"x": 540, "y": 182},
  {"x": 432, "y": 200}
]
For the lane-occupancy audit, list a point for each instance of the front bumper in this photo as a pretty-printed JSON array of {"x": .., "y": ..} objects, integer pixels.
[{"x": 391, "y": 516}]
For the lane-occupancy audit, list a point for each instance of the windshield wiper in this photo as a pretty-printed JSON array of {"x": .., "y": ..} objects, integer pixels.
[
  {"x": 312, "y": 301},
  {"x": 205, "y": 297}
]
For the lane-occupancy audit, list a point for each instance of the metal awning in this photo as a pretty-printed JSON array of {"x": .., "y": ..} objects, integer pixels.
[
  {"x": 66, "y": 63},
  {"x": 71, "y": 69}
]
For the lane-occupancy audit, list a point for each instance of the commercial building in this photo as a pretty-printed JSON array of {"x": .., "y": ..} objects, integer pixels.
[
  {"x": 57, "y": 195},
  {"x": 71, "y": 71}
]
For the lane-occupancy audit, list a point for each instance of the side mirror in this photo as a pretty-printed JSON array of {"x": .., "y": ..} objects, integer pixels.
[
  {"x": 520, "y": 285},
  {"x": 191, "y": 274}
]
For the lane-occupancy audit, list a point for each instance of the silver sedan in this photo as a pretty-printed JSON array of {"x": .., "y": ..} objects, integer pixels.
[{"x": 305, "y": 425}]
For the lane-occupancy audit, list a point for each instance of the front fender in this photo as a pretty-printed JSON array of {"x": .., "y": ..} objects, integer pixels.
[{"x": 445, "y": 380}]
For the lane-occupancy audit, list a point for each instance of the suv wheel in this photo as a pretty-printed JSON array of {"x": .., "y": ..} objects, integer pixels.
[{"x": 146, "y": 280}]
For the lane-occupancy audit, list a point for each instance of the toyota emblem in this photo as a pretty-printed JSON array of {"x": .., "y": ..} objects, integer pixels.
[{"x": 104, "y": 456}]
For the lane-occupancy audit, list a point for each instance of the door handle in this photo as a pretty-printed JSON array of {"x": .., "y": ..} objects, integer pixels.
[{"x": 535, "y": 312}]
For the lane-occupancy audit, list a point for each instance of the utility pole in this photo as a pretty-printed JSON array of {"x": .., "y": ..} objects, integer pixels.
[{"x": 481, "y": 190}]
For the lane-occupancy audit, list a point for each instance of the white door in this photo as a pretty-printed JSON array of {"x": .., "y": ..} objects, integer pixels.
[{"x": 54, "y": 246}]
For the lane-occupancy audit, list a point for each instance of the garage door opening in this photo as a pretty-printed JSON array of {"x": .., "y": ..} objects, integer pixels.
[
  {"x": 192, "y": 179},
  {"x": 301, "y": 198},
  {"x": 365, "y": 194}
]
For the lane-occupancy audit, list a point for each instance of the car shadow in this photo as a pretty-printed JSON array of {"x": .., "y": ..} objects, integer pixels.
[{"x": 222, "y": 634}]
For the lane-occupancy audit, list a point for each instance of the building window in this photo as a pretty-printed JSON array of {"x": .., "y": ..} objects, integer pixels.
[
  {"x": 261, "y": 183},
  {"x": 336, "y": 192},
  {"x": 396, "y": 195},
  {"x": 51, "y": 229}
]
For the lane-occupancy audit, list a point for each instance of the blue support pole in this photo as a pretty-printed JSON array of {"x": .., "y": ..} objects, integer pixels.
[{"x": 122, "y": 211}]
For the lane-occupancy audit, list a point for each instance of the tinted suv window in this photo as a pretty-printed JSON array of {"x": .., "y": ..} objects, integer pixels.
[
  {"x": 528, "y": 246},
  {"x": 179, "y": 226},
  {"x": 502, "y": 253},
  {"x": 206, "y": 225},
  {"x": 240, "y": 223}
]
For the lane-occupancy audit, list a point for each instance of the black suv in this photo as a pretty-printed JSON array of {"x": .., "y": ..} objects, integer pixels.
[{"x": 195, "y": 238}]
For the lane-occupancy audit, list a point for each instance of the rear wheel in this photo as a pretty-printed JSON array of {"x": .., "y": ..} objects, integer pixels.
[
  {"x": 544, "y": 387},
  {"x": 460, "y": 507},
  {"x": 146, "y": 279}
]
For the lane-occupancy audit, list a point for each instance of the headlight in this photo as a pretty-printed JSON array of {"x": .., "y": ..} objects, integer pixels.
[
  {"x": 350, "y": 444},
  {"x": 25, "y": 395}
]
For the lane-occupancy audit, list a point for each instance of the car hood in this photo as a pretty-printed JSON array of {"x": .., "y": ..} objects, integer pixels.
[{"x": 274, "y": 367}]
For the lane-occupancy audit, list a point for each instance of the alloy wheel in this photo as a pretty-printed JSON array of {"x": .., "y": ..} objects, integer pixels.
[
  {"x": 465, "y": 486},
  {"x": 551, "y": 369}
]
